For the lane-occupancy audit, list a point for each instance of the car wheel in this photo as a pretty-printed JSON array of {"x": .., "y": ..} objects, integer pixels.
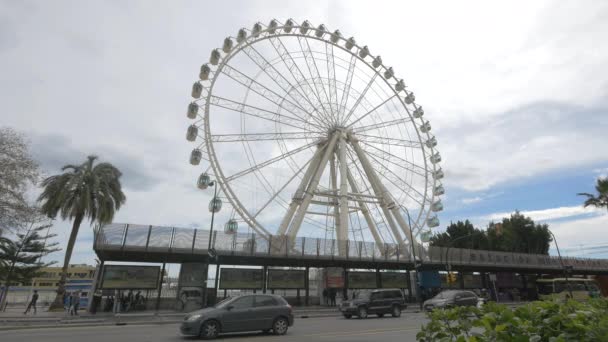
[
  {"x": 396, "y": 311},
  {"x": 348, "y": 316},
  {"x": 210, "y": 330},
  {"x": 280, "y": 326},
  {"x": 362, "y": 312},
  {"x": 380, "y": 315}
]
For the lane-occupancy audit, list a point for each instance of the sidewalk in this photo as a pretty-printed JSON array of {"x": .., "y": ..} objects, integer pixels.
[{"x": 13, "y": 318}]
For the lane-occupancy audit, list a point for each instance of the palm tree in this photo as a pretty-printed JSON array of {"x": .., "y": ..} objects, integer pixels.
[
  {"x": 601, "y": 200},
  {"x": 81, "y": 191}
]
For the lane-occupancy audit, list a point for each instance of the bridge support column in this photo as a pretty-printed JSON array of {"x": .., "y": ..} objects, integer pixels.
[
  {"x": 307, "y": 286},
  {"x": 160, "y": 287},
  {"x": 409, "y": 287},
  {"x": 345, "y": 289},
  {"x": 264, "y": 278},
  {"x": 217, "y": 278}
]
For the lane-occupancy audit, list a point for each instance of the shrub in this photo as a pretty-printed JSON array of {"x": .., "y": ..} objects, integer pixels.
[{"x": 550, "y": 321}]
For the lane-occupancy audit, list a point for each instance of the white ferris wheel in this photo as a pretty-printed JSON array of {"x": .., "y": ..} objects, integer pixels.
[{"x": 309, "y": 134}]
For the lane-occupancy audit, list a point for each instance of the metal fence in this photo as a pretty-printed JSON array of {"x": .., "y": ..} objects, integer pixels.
[{"x": 150, "y": 239}]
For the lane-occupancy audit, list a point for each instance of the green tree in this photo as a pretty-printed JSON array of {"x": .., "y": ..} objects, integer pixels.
[
  {"x": 21, "y": 255},
  {"x": 88, "y": 190},
  {"x": 519, "y": 233},
  {"x": 461, "y": 235},
  {"x": 601, "y": 200},
  {"x": 18, "y": 170}
]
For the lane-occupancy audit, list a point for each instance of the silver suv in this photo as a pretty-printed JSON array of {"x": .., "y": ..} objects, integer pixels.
[
  {"x": 451, "y": 298},
  {"x": 243, "y": 313}
]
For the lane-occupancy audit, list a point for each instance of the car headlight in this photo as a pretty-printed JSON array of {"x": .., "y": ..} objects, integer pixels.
[{"x": 194, "y": 317}]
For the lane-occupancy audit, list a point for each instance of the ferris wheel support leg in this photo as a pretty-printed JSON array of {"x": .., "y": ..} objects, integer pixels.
[
  {"x": 314, "y": 183},
  {"x": 378, "y": 190},
  {"x": 334, "y": 185},
  {"x": 365, "y": 211},
  {"x": 342, "y": 233},
  {"x": 314, "y": 164}
]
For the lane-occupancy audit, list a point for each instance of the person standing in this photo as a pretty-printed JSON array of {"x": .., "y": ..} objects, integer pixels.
[
  {"x": 66, "y": 299},
  {"x": 32, "y": 303},
  {"x": 332, "y": 295},
  {"x": 325, "y": 296}
]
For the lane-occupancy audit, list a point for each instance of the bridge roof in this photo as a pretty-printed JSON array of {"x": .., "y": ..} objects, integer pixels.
[{"x": 145, "y": 243}]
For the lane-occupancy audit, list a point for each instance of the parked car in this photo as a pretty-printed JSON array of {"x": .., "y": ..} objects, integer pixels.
[
  {"x": 242, "y": 313},
  {"x": 378, "y": 302},
  {"x": 451, "y": 298}
]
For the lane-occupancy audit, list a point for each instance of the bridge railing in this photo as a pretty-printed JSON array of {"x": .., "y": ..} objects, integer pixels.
[{"x": 145, "y": 238}]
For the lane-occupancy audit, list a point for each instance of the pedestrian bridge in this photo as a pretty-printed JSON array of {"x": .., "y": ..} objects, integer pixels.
[{"x": 146, "y": 243}]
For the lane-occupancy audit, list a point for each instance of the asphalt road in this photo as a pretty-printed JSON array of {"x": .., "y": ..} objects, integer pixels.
[{"x": 385, "y": 329}]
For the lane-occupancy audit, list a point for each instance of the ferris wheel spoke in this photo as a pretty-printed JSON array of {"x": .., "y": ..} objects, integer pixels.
[
  {"x": 371, "y": 111},
  {"x": 420, "y": 169},
  {"x": 394, "y": 179},
  {"x": 331, "y": 76},
  {"x": 282, "y": 82},
  {"x": 347, "y": 85},
  {"x": 269, "y": 162},
  {"x": 267, "y": 93},
  {"x": 388, "y": 141},
  {"x": 220, "y": 138},
  {"x": 360, "y": 98},
  {"x": 390, "y": 160},
  {"x": 381, "y": 125},
  {"x": 297, "y": 74},
  {"x": 316, "y": 75},
  {"x": 257, "y": 112},
  {"x": 281, "y": 189}
]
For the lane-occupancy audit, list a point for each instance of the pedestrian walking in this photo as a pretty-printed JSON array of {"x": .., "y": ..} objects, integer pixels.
[
  {"x": 75, "y": 303},
  {"x": 129, "y": 301},
  {"x": 32, "y": 303},
  {"x": 116, "y": 308}
]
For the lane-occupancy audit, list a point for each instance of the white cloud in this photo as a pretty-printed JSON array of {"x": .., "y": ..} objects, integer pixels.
[
  {"x": 471, "y": 200},
  {"x": 601, "y": 173},
  {"x": 116, "y": 81},
  {"x": 550, "y": 214},
  {"x": 571, "y": 235}
]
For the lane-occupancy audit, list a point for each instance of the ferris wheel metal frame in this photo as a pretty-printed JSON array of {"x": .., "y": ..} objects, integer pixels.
[{"x": 337, "y": 142}]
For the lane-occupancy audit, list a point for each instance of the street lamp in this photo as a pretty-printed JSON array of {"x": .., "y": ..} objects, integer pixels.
[
  {"x": 451, "y": 244},
  {"x": 416, "y": 265},
  {"x": 559, "y": 255},
  {"x": 215, "y": 205}
]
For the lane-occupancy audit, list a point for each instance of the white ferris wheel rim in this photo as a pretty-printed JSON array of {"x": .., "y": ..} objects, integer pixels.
[{"x": 265, "y": 34}]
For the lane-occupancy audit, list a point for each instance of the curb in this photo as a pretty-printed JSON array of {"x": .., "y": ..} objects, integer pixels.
[{"x": 83, "y": 325}]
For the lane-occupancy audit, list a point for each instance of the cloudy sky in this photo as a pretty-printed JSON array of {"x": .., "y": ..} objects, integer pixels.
[{"x": 517, "y": 96}]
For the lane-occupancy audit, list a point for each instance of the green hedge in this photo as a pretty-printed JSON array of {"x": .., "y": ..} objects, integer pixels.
[{"x": 538, "y": 321}]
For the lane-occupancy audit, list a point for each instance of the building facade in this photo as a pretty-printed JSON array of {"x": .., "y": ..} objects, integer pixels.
[{"x": 80, "y": 277}]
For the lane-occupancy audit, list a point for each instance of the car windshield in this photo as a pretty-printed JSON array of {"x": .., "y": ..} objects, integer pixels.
[
  {"x": 444, "y": 295},
  {"x": 224, "y": 302},
  {"x": 363, "y": 295}
]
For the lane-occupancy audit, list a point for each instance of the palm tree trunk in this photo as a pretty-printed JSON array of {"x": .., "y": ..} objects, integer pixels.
[
  {"x": 57, "y": 304},
  {"x": 9, "y": 278}
]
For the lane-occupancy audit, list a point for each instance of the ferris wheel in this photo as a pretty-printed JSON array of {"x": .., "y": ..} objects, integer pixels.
[{"x": 309, "y": 134}]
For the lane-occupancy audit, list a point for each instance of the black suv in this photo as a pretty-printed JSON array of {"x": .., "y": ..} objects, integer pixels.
[{"x": 377, "y": 302}]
